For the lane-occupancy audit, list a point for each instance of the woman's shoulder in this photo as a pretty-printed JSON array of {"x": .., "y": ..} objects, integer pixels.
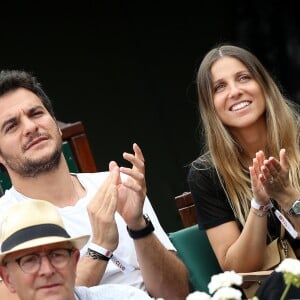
[{"x": 203, "y": 164}]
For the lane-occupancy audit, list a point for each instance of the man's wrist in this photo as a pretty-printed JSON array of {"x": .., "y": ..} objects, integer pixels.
[
  {"x": 98, "y": 253},
  {"x": 96, "y": 256},
  {"x": 100, "y": 250},
  {"x": 137, "y": 234}
]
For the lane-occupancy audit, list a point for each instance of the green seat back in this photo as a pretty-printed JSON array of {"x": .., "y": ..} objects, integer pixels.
[
  {"x": 69, "y": 157},
  {"x": 5, "y": 182},
  {"x": 194, "y": 249}
]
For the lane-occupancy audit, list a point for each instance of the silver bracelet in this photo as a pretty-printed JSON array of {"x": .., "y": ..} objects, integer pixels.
[{"x": 260, "y": 214}]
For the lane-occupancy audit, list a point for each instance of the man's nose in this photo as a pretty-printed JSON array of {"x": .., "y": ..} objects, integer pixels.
[
  {"x": 46, "y": 266},
  {"x": 29, "y": 126}
]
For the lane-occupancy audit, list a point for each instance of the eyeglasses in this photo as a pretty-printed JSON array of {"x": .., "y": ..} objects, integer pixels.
[{"x": 31, "y": 263}]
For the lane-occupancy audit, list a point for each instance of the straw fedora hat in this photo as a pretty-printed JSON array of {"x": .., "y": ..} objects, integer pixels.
[{"x": 34, "y": 223}]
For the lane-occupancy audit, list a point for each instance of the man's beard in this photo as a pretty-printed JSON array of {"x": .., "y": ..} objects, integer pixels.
[{"x": 31, "y": 168}]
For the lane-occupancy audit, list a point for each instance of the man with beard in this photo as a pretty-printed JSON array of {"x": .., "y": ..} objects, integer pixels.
[{"x": 127, "y": 244}]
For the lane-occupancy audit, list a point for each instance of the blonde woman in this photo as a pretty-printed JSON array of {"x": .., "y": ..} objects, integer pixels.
[{"x": 250, "y": 160}]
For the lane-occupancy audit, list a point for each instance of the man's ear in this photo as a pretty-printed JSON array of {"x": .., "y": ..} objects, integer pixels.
[
  {"x": 76, "y": 255},
  {"x": 58, "y": 126},
  {"x": 1, "y": 159},
  {"x": 4, "y": 273},
  {"x": 76, "y": 260}
]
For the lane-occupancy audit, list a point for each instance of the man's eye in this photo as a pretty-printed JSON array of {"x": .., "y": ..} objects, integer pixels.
[
  {"x": 56, "y": 254},
  {"x": 28, "y": 259},
  {"x": 37, "y": 113},
  {"x": 10, "y": 127},
  {"x": 59, "y": 253}
]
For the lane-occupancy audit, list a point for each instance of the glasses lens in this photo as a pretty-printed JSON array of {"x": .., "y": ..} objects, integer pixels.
[
  {"x": 58, "y": 258},
  {"x": 30, "y": 263}
]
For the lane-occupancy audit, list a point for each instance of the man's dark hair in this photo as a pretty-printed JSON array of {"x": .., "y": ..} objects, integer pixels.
[{"x": 11, "y": 80}]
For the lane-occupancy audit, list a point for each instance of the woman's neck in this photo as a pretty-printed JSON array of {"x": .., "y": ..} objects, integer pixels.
[{"x": 251, "y": 140}]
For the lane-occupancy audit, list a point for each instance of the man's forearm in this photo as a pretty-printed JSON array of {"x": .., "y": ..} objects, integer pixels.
[
  {"x": 90, "y": 271},
  {"x": 164, "y": 274}
]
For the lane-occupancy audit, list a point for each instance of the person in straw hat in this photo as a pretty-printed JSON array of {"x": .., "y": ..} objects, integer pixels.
[{"x": 38, "y": 257}]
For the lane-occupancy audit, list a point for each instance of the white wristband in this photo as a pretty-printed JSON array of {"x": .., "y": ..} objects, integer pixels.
[
  {"x": 257, "y": 206},
  {"x": 100, "y": 250}
]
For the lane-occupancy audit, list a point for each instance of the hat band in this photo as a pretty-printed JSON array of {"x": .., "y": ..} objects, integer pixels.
[{"x": 31, "y": 233}]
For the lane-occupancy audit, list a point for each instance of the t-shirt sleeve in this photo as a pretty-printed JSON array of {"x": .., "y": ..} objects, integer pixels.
[
  {"x": 211, "y": 203},
  {"x": 158, "y": 230}
]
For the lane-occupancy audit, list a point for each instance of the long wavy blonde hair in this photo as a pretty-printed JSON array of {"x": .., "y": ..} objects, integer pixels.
[{"x": 282, "y": 121}]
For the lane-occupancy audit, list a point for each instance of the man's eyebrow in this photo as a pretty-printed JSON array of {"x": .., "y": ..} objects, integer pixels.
[
  {"x": 34, "y": 108},
  {"x": 13, "y": 119}
]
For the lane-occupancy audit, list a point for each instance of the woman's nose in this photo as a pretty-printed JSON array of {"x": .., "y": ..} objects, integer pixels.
[{"x": 234, "y": 90}]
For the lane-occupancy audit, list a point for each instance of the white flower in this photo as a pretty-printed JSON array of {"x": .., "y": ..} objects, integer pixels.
[
  {"x": 289, "y": 265},
  {"x": 198, "y": 296},
  {"x": 226, "y": 279},
  {"x": 226, "y": 293}
]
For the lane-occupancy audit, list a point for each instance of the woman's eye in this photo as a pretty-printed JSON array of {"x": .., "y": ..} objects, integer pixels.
[
  {"x": 218, "y": 88},
  {"x": 245, "y": 78}
]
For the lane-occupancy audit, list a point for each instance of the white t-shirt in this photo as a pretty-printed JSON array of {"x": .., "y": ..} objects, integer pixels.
[
  {"x": 76, "y": 221},
  {"x": 110, "y": 292}
]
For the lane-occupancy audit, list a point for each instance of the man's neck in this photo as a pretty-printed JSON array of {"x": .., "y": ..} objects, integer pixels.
[{"x": 56, "y": 186}]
